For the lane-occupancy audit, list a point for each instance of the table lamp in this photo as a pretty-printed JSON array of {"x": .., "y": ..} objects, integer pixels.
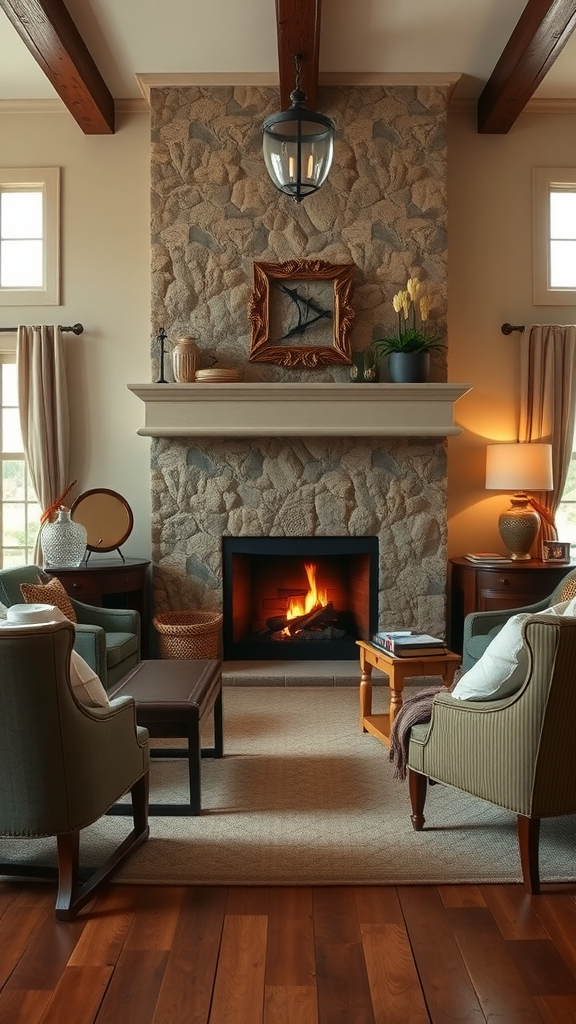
[{"x": 519, "y": 468}]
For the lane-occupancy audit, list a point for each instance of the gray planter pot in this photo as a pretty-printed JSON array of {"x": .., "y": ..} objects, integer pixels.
[{"x": 409, "y": 367}]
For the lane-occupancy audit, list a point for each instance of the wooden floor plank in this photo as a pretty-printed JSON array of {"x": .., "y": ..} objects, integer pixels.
[
  {"x": 450, "y": 994},
  {"x": 186, "y": 991},
  {"x": 78, "y": 996},
  {"x": 290, "y": 949},
  {"x": 377, "y": 904},
  {"x": 132, "y": 993},
  {"x": 335, "y": 915},
  {"x": 556, "y": 1009},
  {"x": 392, "y": 976},
  {"x": 22, "y": 1007},
  {"x": 461, "y": 896},
  {"x": 107, "y": 927},
  {"x": 513, "y": 910},
  {"x": 46, "y": 956},
  {"x": 342, "y": 980},
  {"x": 542, "y": 968},
  {"x": 158, "y": 911},
  {"x": 17, "y": 929},
  {"x": 239, "y": 989},
  {"x": 558, "y": 915},
  {"x": 499, "y": 985},
  {"x": 290, "y": 1004}
]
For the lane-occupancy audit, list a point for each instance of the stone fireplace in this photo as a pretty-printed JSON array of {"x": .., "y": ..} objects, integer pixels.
[
  {"x": 298, "y": 597},
  {"x": 292, "y": 452}
]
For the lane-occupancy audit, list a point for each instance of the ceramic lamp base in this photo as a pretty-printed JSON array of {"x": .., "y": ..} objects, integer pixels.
[{"x": 519, "y": 527}]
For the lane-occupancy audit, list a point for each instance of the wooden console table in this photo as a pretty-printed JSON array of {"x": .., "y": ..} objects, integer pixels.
[
  {"x": 397, "y": 670},
  {"x": 108, "y": 583}
]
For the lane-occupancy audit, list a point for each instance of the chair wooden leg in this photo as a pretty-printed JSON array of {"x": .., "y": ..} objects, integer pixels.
[
  {"x": 528, "y": 841},
  {"x": 72, "y": 894},
  {"x": 418, "y": 787}
]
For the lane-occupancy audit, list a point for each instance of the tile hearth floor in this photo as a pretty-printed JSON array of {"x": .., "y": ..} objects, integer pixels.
[{"x": 295, "y": 673}]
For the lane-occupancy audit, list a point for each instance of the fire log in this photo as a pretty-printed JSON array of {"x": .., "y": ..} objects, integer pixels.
[{"x": 317, "y": 615}]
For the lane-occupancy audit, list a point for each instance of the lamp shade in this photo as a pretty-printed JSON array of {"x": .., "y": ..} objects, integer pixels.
[
  {"x": 519, "y": 467},
  {"x": 298, "y": 147}
]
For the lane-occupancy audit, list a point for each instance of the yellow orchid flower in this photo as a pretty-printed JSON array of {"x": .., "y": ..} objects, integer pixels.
[
  {"x": 413, "y": 288},
  {"x": 425, "y": 304},
  {"x": 397, "y": 302}
]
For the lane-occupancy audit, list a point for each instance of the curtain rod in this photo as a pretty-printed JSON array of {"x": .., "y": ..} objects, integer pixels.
[
  {"x": 508, "y": 328},
  {"x": 76, "y": 329}
]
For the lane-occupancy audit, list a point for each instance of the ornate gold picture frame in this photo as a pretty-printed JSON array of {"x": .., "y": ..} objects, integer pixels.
[{"x": 300, "y": 313}]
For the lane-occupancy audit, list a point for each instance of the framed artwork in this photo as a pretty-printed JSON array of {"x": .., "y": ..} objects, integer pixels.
[
  {"x": 300, "y": 313},
  {"x": 556, "y": 551}
]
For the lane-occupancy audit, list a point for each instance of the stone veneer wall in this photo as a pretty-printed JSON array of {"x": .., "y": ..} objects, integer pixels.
[{"x": 214, "y": 212}]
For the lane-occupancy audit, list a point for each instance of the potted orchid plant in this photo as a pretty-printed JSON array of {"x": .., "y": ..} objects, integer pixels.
[{"x": 409, "y": 350}]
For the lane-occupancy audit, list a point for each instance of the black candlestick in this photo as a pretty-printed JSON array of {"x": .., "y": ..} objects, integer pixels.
[{"x": 161, "y": 338}]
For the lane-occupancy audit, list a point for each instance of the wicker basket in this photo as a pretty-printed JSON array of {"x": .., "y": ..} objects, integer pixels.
[{"x": 189, "y": 634}]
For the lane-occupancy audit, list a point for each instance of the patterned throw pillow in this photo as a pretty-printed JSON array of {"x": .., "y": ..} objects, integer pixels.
[
  {"x": 49, "y": 593},
  {"x": 568, "y": 590}
]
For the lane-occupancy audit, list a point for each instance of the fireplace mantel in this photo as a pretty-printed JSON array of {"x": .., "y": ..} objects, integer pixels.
[{"x": 299, "y": 410}]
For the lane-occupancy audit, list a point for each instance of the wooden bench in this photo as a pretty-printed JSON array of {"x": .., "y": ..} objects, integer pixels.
[{"x": 173, "y": 699}]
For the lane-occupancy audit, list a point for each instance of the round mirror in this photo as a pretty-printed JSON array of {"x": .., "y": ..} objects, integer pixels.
[{"x": 107, "y": 517}]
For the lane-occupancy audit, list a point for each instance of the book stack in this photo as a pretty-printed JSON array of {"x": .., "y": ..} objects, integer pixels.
[
  {"x": 485, "y": 556},
  {"x": 407, "y": 644}
]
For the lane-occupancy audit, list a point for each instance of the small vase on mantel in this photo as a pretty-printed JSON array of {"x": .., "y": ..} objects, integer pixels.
[
  {"x": 185, "y": 360},
  {"x": 63, "y": 541}
]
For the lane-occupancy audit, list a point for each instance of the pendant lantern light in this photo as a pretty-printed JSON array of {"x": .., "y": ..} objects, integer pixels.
[{"x": 298, "y": 145}]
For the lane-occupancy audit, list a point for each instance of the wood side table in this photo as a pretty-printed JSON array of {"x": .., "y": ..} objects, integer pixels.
[
  {"x": 485, "y": 587},
  {"x": 397, "y": 670}
]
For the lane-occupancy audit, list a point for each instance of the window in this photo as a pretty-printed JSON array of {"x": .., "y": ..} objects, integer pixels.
[
  {"x": 29, "y": 236},
  {"x": 554, "y": 236},
  {"x": 19, "y": 509}
]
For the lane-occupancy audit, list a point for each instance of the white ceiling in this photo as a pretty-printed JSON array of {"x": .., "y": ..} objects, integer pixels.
[{"x": 128, "y": 38}]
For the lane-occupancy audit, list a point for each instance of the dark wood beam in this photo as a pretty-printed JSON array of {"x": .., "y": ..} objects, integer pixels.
[
  {"x": 298, "y": 28},
  {"x": 542, "y": 31},
  {"x": 48, "y": 31}
]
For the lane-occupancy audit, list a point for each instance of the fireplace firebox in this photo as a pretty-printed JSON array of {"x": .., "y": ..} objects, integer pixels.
[{"x": 306, "y": 598}]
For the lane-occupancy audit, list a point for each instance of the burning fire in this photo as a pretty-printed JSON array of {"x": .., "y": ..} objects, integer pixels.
[{"x": 308, "y": 602}]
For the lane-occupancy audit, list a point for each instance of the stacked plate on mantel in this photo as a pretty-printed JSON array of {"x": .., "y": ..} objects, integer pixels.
[{"x": 217, "y": 375}]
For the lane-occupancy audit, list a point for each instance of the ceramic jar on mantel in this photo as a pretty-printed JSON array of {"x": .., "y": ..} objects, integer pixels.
[{"x": 185, "y": 360}]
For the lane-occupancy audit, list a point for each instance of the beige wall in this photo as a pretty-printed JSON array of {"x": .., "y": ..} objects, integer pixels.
[
  {"x": 105, "y": 204},
  {"x": 490, "y": 283},
  {"x": 106, "y": 275}
]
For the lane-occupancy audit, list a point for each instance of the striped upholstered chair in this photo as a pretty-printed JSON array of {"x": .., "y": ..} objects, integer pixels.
[{"x": 516, "y": 752}]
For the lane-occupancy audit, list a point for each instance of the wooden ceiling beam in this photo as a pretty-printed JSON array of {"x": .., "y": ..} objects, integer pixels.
[
  {"x": 46, "y": 28},
  {"x": 543, "y": 29},
  {"x": 298, "y": 29}
]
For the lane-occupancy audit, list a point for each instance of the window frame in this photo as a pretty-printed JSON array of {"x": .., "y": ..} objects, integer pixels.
[
  {"x": 47, "y": 180},
  {"x": 8, "y": 355}
]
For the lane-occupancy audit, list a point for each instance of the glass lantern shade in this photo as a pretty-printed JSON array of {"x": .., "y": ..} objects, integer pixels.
[{"x": 298, "y": 146}]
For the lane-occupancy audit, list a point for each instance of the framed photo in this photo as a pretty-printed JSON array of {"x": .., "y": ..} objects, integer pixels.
[
  {"x": 556, "y": 551},
  {"x": 300, "y": 313}
]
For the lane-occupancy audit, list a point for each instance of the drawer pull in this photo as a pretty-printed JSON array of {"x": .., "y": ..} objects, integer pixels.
[{"x": 504, "y": 581}]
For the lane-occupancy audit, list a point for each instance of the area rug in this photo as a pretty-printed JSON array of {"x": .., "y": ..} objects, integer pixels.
[{"x": 303, "y": 797}]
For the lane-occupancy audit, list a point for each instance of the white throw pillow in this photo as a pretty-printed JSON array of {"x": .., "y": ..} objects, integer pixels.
[
  {"x": 85, "y": 683},
  {"x": 502, "y": 667}
]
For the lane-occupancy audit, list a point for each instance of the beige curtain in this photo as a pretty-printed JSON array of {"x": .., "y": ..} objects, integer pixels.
[
  {"x": 44, "y": 414},
  {"x": 547, "y": 407}
]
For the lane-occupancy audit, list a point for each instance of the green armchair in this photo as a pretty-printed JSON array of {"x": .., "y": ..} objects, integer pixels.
[
  {"x": 63, "y": 764},
  {"x": 516, "y": 752},
  {"x": 107, "y": 638},
  {"x": 481, "y": 627}
]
